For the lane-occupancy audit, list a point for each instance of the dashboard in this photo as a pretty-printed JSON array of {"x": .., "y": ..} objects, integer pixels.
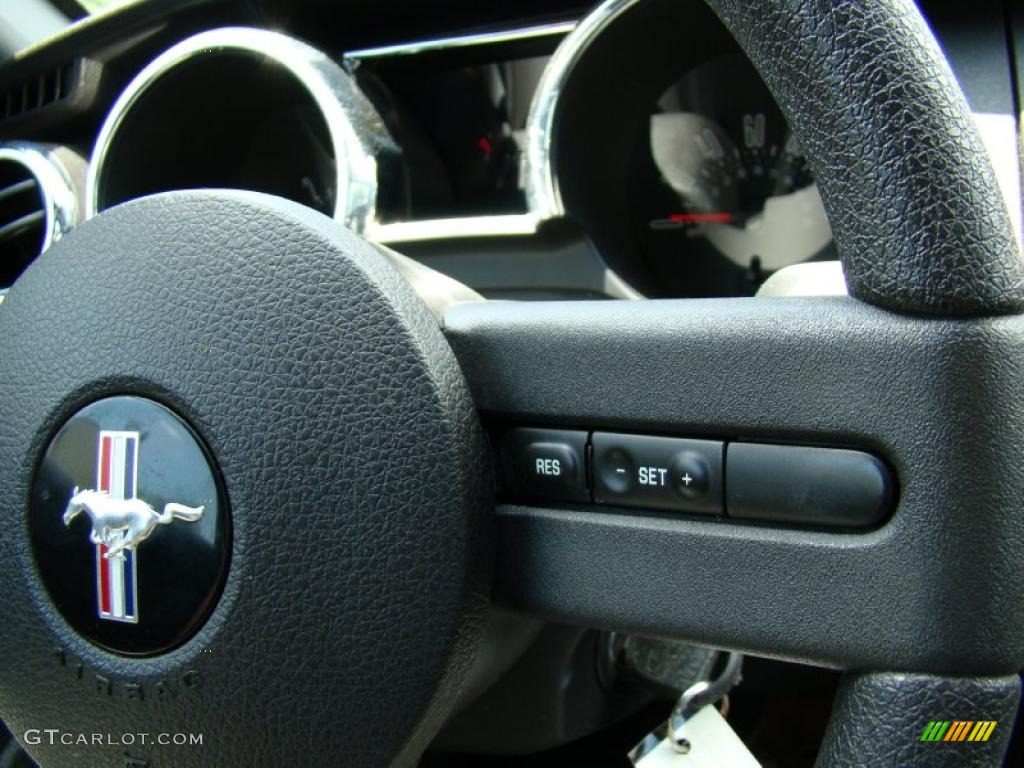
[{"x": 554, "y": 150}]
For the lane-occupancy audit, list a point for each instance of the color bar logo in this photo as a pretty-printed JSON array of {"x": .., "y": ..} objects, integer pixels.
[
  {"x": 958, "y": 730},
  {"x": 116, "y": 474}
]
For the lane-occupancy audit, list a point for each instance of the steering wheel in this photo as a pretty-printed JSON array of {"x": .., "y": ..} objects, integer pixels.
[{"x": 323, "y": 604}]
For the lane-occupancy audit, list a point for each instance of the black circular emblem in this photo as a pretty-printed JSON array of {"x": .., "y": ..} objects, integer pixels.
[{"x": 130, "y": 526}]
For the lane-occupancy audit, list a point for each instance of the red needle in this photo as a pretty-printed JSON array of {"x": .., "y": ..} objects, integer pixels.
[{"x": 701, "y": 218}]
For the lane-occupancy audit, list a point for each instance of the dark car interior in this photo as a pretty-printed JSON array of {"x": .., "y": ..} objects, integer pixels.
[{"x": 542, "y": 383}]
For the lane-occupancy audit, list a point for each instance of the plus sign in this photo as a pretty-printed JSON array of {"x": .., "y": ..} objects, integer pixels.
[{"x": 687, "y": 479}]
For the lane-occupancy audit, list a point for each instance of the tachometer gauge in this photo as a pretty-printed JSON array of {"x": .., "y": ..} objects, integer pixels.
[{"x": 722, "y": 187}]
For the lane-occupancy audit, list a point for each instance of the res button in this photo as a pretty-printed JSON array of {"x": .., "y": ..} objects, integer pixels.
[{"x": 546, "y": 464}]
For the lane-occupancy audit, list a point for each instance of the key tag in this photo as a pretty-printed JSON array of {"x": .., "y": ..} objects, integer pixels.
[
  {"x": 696, "y": 734},
  {"x": 706, "y": 740}
]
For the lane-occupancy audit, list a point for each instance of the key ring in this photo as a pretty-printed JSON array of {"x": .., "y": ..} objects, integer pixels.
[{"x": 701, "y": 694}]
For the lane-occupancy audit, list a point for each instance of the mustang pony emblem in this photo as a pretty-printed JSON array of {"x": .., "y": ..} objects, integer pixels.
[
  {"x": 120, "y": 522},
  {"x": 123, "y": 523}
]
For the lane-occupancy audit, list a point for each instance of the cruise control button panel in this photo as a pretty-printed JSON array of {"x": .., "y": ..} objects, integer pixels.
[
  {"x": 816, "y": 486},
  {"x": 658, "y": 472},
  {"x": 546, "y": 464}
]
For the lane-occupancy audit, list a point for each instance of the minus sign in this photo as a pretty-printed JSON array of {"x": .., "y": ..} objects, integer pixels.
[{"x": 621, "y": 471}]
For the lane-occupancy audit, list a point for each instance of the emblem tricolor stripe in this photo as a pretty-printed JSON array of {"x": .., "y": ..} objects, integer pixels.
[{"x": 117, "y": 467}]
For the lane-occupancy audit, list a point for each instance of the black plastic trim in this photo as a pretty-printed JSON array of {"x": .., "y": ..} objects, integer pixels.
[{"x": 931, "y": 590}]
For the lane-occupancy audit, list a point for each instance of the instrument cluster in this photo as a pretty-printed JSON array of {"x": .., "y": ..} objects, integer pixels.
[{"x": 641, "y": 124}]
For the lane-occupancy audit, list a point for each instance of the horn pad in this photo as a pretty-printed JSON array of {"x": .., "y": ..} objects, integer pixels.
[{"x": 343, "y": 434}]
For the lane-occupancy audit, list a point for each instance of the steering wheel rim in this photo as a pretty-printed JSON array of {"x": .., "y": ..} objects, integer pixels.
[
  {"x": 921, "y": 230},
  {"x": 916, "y": 213}
]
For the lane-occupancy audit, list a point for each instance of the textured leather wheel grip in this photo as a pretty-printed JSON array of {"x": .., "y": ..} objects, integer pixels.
[
  {"x": 883, "y": 718},
  {"x": 908, "y": 187}
]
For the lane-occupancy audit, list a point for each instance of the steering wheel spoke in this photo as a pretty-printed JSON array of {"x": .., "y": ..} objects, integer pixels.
[{"x": 816, "y": 371}]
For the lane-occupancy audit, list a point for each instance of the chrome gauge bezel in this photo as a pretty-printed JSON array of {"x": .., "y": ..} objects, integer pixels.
[
  {"x": 356, "y": 131},
  {"x": 543, "y": 196},
  {"x": 355, "y": 138}
]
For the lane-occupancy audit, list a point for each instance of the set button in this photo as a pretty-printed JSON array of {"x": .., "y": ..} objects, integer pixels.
[{"x": 658, "y": 472}]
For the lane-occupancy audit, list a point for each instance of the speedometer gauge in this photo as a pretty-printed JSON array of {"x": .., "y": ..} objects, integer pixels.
[{"x": 720, "y": 185}]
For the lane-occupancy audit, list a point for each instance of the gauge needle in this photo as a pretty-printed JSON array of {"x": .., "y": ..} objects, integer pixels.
[{"x": 701, "y": 218}]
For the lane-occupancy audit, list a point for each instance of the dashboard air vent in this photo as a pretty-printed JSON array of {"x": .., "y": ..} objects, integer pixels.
[
  {"x": 37, "y": 91},
  {"x": 36, "y": 206}
]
